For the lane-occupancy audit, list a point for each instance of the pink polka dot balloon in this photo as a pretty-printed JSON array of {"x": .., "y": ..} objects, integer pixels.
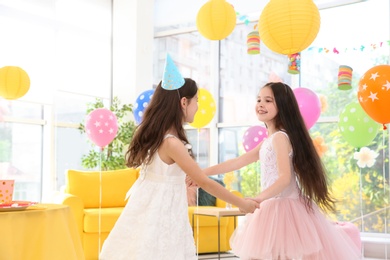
[
  {"x": 253, "y": 136},
  {"x": 101, "y": 126}
]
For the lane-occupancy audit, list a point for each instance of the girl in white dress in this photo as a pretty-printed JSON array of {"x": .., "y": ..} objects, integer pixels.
[{"x": 154, "y": 224}]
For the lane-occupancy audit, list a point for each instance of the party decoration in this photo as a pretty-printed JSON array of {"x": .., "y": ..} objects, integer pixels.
[
  {"x": 374, "y": 93},
  {"x": 6, "y": 191},
  {"x": 172, "y": 78},
  {"x": 294, "y": 63},
  {"x": 253, "y": 136},
  {"x": 206, "y": 109},
  {"x": 319, "y": 145},
  {"x": 309, "y": 105},
  {"x": 356, "y": 127},
  {"x": 253, "y": 43},
  {"x": 228, "y": 179},
  {"x": 101, "y": 126},
  {"x": 365, "y": 157},
  {"x": 216, "y": 19},
  {"x": 273, "y": 77},
  {"x": 289, "y": 26},
  {"x": 359, "y": 48},
  {"x": 324, "y": 103},
  {"x": 344, "y": 77},
  {"x": 141, "y": 103},
  {"x": 14, "y": 82}
]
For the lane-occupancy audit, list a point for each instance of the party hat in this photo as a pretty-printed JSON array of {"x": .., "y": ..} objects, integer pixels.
[{"x": 172, "y": 78}]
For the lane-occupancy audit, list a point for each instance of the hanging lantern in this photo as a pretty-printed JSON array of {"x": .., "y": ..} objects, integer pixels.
[
  {"x": 14, "y": 82},
  {"x": 289, "y": 26},
  {"x": 216, "y": 19},
  {"x": 294, "y": 63},
  {"x": 344, "y": 77},
  {"x": 253, "y": 42}
]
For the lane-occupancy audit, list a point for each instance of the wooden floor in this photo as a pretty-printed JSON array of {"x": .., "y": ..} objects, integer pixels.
[{"x": 227, "y": 256}]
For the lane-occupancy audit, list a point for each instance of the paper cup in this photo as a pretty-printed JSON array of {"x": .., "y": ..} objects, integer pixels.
[{"x": 6, "y": 191}]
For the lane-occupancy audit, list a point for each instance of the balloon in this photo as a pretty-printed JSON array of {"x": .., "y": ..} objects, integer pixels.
[
  {"x": 309, "y": 105},
  {"x": 141, "y": 103},
  {"x": 206, "y": 109},
  {"x": 101, "y": 126},
  {"x": 357, "y": 128},
  {"x": 14, "y": 82},
  {"x": 253, "y": 136},
  {"x": 374, "y": 93}
]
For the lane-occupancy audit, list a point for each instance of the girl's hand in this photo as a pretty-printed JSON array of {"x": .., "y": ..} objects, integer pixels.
[
  {"x": 190, "y": 182},
  {"x": 258, "y": 200},
  {"x": 249, "y": 206}
]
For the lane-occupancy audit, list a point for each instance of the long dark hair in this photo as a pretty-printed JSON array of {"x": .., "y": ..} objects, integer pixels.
[
  {"x": 163, "y": 112},
  {"x": 306, "y": 161}
]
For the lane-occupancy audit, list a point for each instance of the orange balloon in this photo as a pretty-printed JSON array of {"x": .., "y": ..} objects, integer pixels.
[{"x": 374, "y": 93}]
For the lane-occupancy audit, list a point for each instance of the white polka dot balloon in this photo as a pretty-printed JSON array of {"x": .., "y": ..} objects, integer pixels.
[
  {"x": 356, "y": 127},
  {"x": 253, "y": 136}
]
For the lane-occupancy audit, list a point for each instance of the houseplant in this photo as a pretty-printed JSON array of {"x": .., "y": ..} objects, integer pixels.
[{"x": 112, "y": 156}]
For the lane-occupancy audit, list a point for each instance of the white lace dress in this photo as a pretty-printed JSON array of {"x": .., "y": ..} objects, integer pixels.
[{"x": 154, "y": 224}]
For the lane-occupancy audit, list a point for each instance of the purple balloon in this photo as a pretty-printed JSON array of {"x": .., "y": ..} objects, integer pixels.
[
  {"x": 253, "y": 136},
  {"x": 309, "y": 105}
]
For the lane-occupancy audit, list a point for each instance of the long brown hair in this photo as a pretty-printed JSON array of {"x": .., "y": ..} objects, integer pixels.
[
  {"x": 163, "y": 112},
  {"x": 306, "y": 161}
]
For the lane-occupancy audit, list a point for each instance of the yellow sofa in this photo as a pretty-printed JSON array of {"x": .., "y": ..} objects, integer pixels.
[{"x": 82, "y": 194}]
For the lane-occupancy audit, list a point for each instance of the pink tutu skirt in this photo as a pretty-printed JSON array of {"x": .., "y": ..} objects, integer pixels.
[{"x": 283, "y": 229}]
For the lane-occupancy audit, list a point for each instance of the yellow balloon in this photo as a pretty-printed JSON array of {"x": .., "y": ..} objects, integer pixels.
[
  {"x": 289, "y": 26},
  {"x": 206, "y": 109},
  {"x": 216, "y": 19},
  {"x": 14, "y": 82}
]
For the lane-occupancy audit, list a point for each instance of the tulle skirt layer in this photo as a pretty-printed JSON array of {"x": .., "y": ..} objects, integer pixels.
[{"x": 283, "y": 229}]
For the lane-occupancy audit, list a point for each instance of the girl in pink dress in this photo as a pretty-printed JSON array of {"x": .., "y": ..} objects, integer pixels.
[{"x": 290, "y": 223}]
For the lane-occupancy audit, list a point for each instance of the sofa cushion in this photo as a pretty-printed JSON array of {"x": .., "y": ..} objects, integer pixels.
[
  {"x": 108, "y": 218},
  {"x": 115, "y": 184}
]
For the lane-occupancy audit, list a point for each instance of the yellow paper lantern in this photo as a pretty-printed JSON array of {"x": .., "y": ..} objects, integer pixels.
[
  {"x": 216, "y": 19},
  {"x": 14, "y": 82},
  {"x": 289, "y": 26}
]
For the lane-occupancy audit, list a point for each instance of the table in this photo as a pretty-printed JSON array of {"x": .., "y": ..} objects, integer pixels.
[
  {"x": 41, "y": 232},
  {"x": 218, "y": 213}
]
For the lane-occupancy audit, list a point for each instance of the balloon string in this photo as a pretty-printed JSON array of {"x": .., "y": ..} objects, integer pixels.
[
  {"x": 197, "y": 196},
  {"x": 361, "y": 197},
  {"x": 100, "y": 198},
  {"x": 384, "y": 183}
]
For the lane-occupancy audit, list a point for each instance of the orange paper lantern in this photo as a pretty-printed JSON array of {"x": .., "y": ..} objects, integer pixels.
[
  {"x": 289, "y": 26},
  {"x": 14, "y": 82},
  {"x": 216, "y": 19}
]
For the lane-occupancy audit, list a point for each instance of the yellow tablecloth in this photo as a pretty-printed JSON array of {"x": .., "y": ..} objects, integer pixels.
[{"x": 47, "y": 232}]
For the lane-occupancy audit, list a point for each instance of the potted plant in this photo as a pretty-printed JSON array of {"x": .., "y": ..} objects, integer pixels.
[{"x": 112, "y": 156}]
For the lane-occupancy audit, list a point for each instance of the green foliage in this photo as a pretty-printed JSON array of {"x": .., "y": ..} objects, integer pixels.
[
  {"x": 112, "y": 156},
  {"x": 250, "y": 180}
]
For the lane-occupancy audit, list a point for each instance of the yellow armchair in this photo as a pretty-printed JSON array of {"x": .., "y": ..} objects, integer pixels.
[{"x": 82, "y": 195}]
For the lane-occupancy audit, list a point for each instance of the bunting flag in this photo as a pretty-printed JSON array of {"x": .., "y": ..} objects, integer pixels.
[{"x": 361, "y": 48}]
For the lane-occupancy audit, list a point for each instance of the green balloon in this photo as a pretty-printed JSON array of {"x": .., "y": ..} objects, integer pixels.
[{"x": 357, "y": 128}]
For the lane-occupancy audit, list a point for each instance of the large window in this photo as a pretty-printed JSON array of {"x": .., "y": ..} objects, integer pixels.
[{"x": 68, "y": 59}]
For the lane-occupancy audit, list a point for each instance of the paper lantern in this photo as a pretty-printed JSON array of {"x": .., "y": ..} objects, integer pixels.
[
  {"x": 253, "y": 43},
  {"x": 14, "y": 82},
  {"x": 289, "y": 26},
  {"x": 294, "y": 63},
  {"x": 216, "y": 19},
  {"x": 344, "y": 77}
]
